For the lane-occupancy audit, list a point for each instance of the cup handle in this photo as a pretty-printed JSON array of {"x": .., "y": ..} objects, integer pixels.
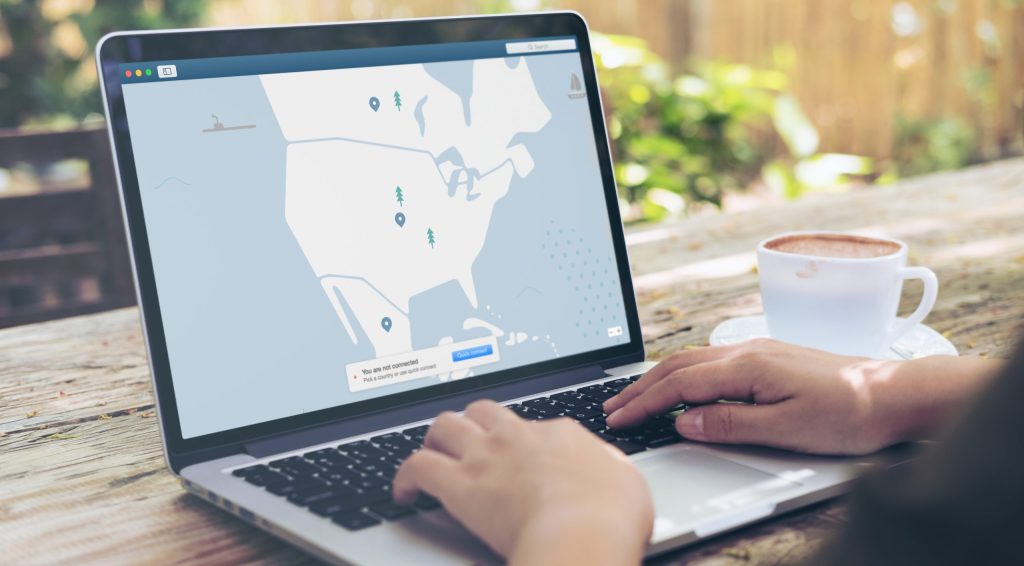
[{"x": 931, "y": 291}]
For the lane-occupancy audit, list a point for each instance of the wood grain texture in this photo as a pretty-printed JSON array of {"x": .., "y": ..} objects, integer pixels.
[{"x": 82, "y": 476}]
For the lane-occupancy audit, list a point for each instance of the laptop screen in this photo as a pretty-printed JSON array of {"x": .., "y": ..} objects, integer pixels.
[{"x": 334, "y": 226}]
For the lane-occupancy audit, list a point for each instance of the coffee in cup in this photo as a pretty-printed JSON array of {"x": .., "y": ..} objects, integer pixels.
[{"x": 838, "y": 292}]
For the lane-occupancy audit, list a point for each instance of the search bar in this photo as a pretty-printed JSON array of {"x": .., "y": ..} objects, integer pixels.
[{"x": 540, "y": 46}]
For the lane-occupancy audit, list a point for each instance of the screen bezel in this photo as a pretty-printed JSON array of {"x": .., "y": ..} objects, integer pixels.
[{"x": 135, "y": 47}]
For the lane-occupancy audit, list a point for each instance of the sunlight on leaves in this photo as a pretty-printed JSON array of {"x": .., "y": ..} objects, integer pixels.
[{"x": 794, "y": 127}]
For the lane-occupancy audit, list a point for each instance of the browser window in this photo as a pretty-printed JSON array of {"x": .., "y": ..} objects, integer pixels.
[{"x": 334, "y": 226}]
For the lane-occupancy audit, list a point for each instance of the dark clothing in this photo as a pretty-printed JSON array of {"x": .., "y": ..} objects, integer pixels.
[{"x": 962, "y": 502}]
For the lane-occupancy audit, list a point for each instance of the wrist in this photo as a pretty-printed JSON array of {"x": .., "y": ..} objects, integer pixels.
[
  {"x": 890, "y": 418},
  {"x": 911, "y": 399}
]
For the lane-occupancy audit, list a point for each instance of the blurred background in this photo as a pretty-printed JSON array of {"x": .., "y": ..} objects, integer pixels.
[{"x": 712, "y": 105}]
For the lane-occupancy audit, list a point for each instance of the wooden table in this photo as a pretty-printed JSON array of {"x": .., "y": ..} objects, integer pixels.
[{"x": 82, "y": 476}]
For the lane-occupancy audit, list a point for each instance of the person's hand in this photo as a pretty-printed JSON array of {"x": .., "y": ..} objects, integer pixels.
[
  {"x": 790, "y": 397},
  {"x": 530, "y": 489}
]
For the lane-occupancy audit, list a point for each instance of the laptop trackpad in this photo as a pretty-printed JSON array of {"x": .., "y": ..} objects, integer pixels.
[{"x": 690, "y": 486}]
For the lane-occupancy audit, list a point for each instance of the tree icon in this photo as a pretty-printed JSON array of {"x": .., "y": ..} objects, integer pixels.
[
  {"x": 430, "y": 237},
  {"x": 399, "y": 196},
  {"x": 398, "y": 101}
]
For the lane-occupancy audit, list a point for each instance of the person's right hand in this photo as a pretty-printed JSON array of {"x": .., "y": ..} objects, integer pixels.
[{"x": 790, "y": 397}]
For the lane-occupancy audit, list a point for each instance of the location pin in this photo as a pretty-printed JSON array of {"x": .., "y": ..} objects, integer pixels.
[
  {"x": 385, "y": 323},
  {"x": 400, "y": 219},
  {"x": 374, "y": 103}
]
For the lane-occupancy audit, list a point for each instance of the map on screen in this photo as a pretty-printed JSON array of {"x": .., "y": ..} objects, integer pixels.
[{"x": 322, "y": 237}]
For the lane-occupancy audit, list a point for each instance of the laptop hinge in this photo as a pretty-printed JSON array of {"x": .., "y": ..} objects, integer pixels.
[{"x": 419, "y": 411}]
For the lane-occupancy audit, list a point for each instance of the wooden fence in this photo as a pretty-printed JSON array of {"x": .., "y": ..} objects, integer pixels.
[{"x": 857, "y": 66}]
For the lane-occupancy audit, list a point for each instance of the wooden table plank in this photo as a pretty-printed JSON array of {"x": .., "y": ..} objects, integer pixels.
[{"x": 82, "y": 476}]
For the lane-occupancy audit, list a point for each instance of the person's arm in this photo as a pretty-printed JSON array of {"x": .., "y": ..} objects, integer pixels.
[
  {"x": 801, "y": 399},
  {"x": 959, "y": 503},
  {"x": 536, "y": 493}
]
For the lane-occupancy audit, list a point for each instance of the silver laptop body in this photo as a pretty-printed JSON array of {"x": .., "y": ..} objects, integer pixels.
[{"x": 280, "y": 194}]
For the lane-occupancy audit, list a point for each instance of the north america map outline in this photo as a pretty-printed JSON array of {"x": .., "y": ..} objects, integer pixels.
[{"x": 394, "y": 197}]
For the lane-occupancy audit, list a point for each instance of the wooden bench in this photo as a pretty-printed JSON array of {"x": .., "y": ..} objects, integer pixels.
[{"x": 62, "y": 242}]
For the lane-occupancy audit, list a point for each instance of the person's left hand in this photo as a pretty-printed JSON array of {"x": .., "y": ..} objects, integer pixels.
[{"x": 527, "y": 489}]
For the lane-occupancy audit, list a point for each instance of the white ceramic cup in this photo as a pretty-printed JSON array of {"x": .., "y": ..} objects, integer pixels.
[{"x": 841, "y": 305}]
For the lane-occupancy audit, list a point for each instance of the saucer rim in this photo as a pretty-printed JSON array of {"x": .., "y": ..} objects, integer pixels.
[{"x": 948, "y": 345}]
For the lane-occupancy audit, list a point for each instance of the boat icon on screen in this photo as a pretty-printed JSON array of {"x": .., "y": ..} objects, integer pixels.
[
  {"x": 576, "y": 87},
  {"x": 218, "y": 126}
]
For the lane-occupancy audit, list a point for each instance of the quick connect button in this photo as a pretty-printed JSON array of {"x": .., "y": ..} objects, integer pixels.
[{"x": 470, "y": 353}]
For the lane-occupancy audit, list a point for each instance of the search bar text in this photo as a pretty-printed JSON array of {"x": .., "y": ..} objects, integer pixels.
[{"x": 521, "y": 47}]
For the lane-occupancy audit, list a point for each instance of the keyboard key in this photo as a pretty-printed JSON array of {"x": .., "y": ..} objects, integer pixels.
[
  {"x": 390, "y": 510},
  {"x": 333, "y": 458},
  {"x": 548, "y": 410},
  {"x": 354, "y": 520},
  {"x": 296, "y": 467},
  {"x": 522, "y": 411},
  {"x": 601, "y": 394},
  {"x": 593, "y": 425},
  {"x": 607, "y": 436},
  {"x": 582, "y": 414},
  {"x": 415, "y": 431},
  {"x": 316, "y": 453},
  {"x": 665, "y": 440},
  {"x": 334, "y": 505},
  {"x": 282, "y": 488},
  {"x": 542, "y": 403},
  {"x": 426, "y": 502},
  {"x": 568, "y": 396},
  {"x": 381, "y": 438},
  {"x": 310, "y": 494},
  {"x": 361, "y": 450},
  {"x": 261, "y": 478},
  {"x": 628, "y": 447},
  {"x": 583, "y": 404},
  {"x": 397, "y": 443},
  {"x": 341, "y": 475},
  {"x": 285, "y": 461},
  {"x": 241, "y": 472},
  {"x": 371, "y": 496},
  {"x": 369, "y": 483}
]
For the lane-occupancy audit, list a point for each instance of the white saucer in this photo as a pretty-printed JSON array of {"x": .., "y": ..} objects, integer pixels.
[{"x": 921, "y": 341}]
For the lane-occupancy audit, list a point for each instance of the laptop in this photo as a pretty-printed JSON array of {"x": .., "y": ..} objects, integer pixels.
[{"x": 340, "y": 230}]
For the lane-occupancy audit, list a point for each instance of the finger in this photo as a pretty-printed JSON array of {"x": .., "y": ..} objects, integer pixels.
[
  {"x": 679, "y": 360},
  {"x": 731, "y": 423},
  {"x": 490, "y": 415},
  {"x": 452, "y": 434},
  {"x": 428, "y": 471},
  {"x": 702, "y": 383}
]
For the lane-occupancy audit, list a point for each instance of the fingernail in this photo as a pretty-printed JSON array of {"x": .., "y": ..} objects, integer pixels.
[
  {"x": 691, "y": 424},
  {"x": 613, "y": 418}
]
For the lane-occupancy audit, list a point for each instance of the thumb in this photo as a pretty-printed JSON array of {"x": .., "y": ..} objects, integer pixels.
[{"x": 732, "y": 423}]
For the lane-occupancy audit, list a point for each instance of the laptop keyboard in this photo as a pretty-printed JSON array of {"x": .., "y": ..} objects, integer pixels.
[{"x": 351, "y": 483}]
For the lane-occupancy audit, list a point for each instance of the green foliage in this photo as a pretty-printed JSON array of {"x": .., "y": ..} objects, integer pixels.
[
  {"x": 925, "y": 145},
  {"x": 701, "y": 134},
  {"x": 50, "y": 73}
]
